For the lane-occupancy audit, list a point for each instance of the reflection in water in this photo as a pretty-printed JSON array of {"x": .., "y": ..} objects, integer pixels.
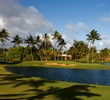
[{"x": 101, "y": 77}]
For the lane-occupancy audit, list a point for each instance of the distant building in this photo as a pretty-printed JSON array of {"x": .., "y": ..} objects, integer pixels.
[{"x": 65, "y": 57}]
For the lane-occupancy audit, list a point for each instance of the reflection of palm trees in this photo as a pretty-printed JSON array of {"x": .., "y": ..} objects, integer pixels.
[
  {"x": 17, "y": 40},
  {"x": 92, "y": 37}
]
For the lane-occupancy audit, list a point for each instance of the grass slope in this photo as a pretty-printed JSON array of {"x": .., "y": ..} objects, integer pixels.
[
  {"x": 78, "y": 65},
  {"x": 14, "y": 87}
]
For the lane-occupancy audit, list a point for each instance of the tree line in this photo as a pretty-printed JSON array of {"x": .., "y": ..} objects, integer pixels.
[{"x": 41, "y": 48}]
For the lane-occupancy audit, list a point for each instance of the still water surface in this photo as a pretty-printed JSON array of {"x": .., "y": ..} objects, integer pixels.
[{"x": 101, "y": 77}]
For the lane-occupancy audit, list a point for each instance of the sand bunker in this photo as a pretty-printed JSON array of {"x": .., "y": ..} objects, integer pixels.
[
  {"x": 50, "y": 63},
  {"x": 56, "y": 64}
]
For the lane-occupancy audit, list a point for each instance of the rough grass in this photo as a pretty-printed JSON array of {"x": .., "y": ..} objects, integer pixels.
[{"x": 14, "y": 87}]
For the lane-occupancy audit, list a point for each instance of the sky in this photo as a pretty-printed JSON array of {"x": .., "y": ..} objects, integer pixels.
[{"x": 71, "y": 18}]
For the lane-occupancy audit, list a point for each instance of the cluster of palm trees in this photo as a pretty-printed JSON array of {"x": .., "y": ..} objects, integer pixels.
[
  {"x": 43, "y": 43},
  {"x": 31, "y": 41},
  {"x": 45, "y": 47},
  {"x": 81, "y": 50}
]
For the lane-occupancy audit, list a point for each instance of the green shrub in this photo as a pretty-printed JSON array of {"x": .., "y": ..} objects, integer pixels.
[{"x": 15, "y": 54}]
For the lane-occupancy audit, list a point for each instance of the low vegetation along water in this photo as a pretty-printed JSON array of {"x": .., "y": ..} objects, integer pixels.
[{"x": 101, "y": 77}]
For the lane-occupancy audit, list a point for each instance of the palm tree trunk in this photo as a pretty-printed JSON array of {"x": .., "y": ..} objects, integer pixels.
[
  {"x": 88, "y": 55},
  {"x": 3, "y": 50},
  {"x": 32, "y": 58},
  {"x": 93, "y": 53},
  {"x": 40, "y": 56},
  {"x": 54, "y": 55},
  {"x": 75, "y": 56}
]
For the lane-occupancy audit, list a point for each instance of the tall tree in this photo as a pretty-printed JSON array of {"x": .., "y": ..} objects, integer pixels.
[
  {"x": 80, "y": 49},
  {"x": 4, "y": 35},
  {"x": 46, "y": 39},
  {"x": 46, "y": 44},
  {"x": 104, "y": 53},
  {"x": 31, "y": 42},
  {"x": 55, "y": 38},
  {"x": 38, "y": 42},
  {"x": 17, "y": 40},
  {"x": 92, "y": 37},
  {"x": 61, "y": 43}
]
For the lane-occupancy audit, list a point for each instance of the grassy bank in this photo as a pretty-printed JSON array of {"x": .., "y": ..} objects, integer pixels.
[
  {"x": 14, "y": 86},
  {"x": 77, "y": 65}
]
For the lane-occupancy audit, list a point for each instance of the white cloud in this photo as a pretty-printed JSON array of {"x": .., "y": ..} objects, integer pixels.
[
  {"x": 71, "y": 28},
  {"x": 105, "y": 44},
  {"x": 22, "y": 20},
  {"x": 68, "y": 40},
  {"x": 105, "y": 19},
  {"x": 74, "y": 28},
  {"x": 104, "y": 37}
]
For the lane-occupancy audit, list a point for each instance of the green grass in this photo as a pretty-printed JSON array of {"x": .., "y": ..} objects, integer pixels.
[
  {"x": 13, "y": 86},
  {"x": 78, "y": 65}
]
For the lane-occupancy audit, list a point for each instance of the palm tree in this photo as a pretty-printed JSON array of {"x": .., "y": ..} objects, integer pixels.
[
  {"x": 92, "y": 37},
  {"x": 79, "y": 49},
  {"x": 61, "y": 44},
  {"x": 46, "y": 39},
  {"x": 31, "y": 42},
  {"x": 38, "y": 42},
  {"x": 46, "y": 44},
  {"x": 55, "y": 38},
  {"x": 104, "y": 53},
  {"x": 3, "y": 36},
  {"x": 17, "y": 40}
]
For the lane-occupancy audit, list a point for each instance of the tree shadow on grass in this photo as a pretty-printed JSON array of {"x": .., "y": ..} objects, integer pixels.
[
  {"x": 15, "y": 81},
  {"x": 40, "y": 90},
  {"x": 69, "y": 93}
]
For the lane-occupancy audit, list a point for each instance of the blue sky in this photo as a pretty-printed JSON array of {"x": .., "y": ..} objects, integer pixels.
[{"x": 72, "y": 18}]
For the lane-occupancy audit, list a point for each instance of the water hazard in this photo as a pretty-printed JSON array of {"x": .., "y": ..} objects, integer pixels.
[{"x": 101, "y": 77}]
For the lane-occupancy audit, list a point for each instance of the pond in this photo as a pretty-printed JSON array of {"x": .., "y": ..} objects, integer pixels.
[{"x": 101, "y": 77}]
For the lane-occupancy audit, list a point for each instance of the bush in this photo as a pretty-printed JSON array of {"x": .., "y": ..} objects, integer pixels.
[{"x": 15, "y": 54}]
